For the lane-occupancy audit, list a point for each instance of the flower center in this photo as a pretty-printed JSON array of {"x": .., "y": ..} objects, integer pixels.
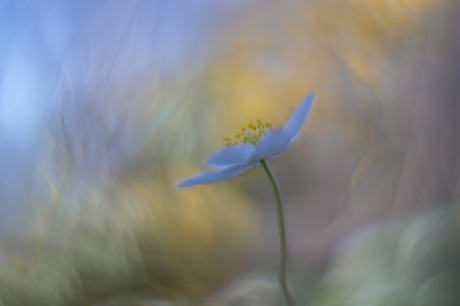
[{"x": 252, "y": 134}]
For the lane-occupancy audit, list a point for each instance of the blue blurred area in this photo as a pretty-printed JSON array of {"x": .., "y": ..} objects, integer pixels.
[{"x": 64, "y": 63}]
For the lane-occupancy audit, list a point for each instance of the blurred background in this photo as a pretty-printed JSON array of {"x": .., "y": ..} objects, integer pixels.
[{"x": 106, "y": 105}]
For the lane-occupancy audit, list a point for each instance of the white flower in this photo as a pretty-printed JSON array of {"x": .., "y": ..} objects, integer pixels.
[{"x": 253, "y": 144}]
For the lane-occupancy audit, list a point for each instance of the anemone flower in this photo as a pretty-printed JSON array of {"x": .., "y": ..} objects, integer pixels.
[{"x": 257, "y": 144}]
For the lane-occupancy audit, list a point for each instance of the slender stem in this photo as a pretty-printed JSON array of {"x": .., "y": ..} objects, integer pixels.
[{"x": 283, "y": 243}]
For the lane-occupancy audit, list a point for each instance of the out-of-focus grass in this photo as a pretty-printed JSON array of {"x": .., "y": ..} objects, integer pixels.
[
  {"x": 406, "y": 262},
  {"x": 145, "y": 239}
]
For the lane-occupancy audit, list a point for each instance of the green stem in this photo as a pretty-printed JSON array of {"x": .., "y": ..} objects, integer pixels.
[{"x": 283, "y": 243}]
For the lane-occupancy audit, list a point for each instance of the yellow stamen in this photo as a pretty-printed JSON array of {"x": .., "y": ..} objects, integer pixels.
[{"x": 252, "y": 135}]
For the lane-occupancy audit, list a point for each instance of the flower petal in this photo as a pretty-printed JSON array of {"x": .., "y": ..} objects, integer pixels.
[
  {"x": 214, "y": 176},
  {"x": 292, "y": 128},
  {"x": 273, "y": 145},
  {"x": 230, "y": 157},
  {"x": 291, "y": 141}
]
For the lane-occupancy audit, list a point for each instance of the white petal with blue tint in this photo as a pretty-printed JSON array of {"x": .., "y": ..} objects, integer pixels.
[
  {"x": 236, "y": 160},
  {"x": 273, "y": 144},
  {"x": 285, "y": 148},
  {"x": 214, "y": 176},
  {"x": 231, "y": 157},
  {"x": 298, "y": 118}
]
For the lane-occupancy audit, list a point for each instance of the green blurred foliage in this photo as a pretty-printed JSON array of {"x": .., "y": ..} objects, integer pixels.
[
  {"x": 413, "y": 262},
  {"x": 143, "y": 239}
]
